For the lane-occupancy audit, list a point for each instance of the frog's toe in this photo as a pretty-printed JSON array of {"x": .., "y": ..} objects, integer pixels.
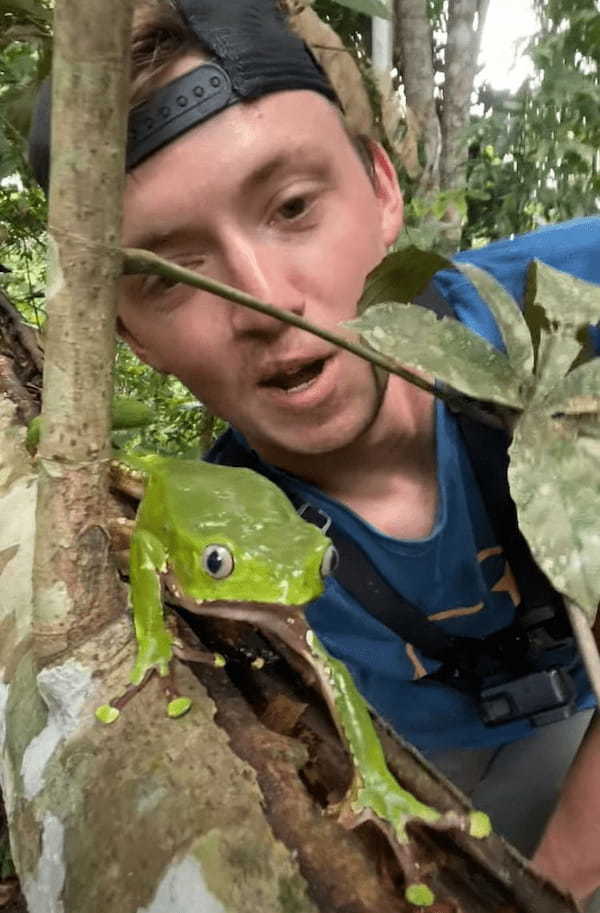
[
  {"x": 479, "y": 825},
  {"x": 107, "y": 714},
  {"x": 420, "y": 895},
  {"x": 178, "y": 707}
]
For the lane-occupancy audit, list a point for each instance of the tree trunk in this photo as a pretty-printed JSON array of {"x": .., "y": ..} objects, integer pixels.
[
  {"x": 415, "y": 45},
  {"x": 466, "y": 19},
  {"x": 438, "y": 113},
  {"x": 74, "y": 582}
]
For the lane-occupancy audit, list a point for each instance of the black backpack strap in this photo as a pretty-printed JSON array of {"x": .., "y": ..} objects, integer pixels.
[
  {"x": 355, "y": 572},
  {"x": 488, "y": 454}
]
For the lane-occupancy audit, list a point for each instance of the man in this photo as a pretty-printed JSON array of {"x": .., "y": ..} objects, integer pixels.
[{"x": 240, "y": 167}]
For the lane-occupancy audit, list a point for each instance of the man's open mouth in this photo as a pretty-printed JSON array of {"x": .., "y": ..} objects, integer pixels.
[{"x": 292, "y": 381}]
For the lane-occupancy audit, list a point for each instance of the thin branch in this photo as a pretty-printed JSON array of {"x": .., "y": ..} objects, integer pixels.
[{"x": 136, "y": 261}]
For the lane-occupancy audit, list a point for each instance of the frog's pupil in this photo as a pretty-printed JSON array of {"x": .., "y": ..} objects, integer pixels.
[{"x": 214, "y": 562}]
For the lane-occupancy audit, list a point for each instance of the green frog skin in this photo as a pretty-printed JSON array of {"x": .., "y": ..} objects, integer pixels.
[{"x": 228, "y": 543}]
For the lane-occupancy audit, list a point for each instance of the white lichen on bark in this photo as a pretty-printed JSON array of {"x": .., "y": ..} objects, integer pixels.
[{"x": 64, "y": 690}]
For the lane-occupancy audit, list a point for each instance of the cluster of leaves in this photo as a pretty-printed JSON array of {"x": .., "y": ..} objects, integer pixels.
[
  {"x": 543, "y": 384},
  {"x": 25, "y": 47}
]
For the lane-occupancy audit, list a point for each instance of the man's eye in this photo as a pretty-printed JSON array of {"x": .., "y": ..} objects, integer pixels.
[
  {"x": 156, "y": 284},
  {"x": 294, "y": 208}
]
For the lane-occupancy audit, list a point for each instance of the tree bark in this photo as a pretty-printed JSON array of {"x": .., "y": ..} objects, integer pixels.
[
  {"x": 466, "y": 19},
  {"x": 74, "y": 582},
  {"x": 415, "y": 43}
]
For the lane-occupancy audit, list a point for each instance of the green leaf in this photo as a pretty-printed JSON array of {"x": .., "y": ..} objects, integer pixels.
[
  {"x": 401, "y": 276},
  {"x": 567, "y": 300},
  {"x": 414, "y": 337},
  {"x": 368, "y": 7},
  {"x": 553, "y": 476},
  {"x": 579, "y": 393},
  {"x": 556, "y": 353},
  {"x": 507, "y": 313}
]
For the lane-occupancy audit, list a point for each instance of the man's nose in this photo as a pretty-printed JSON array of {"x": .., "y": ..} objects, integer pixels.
[{"x": 263, "y": 273}]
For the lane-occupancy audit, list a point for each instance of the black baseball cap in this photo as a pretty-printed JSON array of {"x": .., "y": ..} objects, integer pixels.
[{"x": 252, "y": 53}]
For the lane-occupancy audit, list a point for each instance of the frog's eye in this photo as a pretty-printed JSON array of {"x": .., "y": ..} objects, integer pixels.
[
  {"x": 329, "y": 561},
  {"x": 217, "y": 561}
]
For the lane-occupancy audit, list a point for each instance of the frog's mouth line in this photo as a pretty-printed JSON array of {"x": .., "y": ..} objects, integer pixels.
[
  {"x": 297, "y": 379},
  {"x": 286, "y": 621}
]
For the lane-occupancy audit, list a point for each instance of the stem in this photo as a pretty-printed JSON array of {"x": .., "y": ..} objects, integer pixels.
[
  {"x": 586, "y": 643},
  {"x": 137, "y": 261}
]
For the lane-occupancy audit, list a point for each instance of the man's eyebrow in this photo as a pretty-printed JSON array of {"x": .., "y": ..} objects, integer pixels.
[
  {"x": 287, "y": 160},
  {"x": 302, "y": 159}
]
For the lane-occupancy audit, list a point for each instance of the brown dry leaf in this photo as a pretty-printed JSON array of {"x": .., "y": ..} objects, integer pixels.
[
  {"x": 408, "y": 147},
  {"x": 338, "y": 63}
]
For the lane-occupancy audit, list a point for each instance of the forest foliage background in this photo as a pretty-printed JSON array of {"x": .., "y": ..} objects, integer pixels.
[{"x": 530, "y": 156}]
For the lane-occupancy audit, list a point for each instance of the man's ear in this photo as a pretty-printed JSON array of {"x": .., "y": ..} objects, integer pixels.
[
  {"x": 387, "y": 191},
  {"x": 138, "y": 348}
]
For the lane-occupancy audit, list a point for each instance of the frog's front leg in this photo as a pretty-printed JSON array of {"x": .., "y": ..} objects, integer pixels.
[{"x": 147, "y": 565}]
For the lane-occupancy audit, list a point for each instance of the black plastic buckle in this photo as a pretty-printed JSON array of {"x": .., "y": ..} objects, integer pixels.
[
  {"x": 542, "y": 697},
  {"x": 316, "y": 516}
]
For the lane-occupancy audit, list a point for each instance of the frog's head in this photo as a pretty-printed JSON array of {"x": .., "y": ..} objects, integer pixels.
[{"x": 243, "y": 541}]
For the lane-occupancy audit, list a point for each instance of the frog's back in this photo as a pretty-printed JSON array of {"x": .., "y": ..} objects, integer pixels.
[{"x": 201, "y": 497}]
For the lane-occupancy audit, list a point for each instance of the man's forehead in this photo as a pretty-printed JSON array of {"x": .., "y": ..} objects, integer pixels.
[{"x": 227, "y": 161}]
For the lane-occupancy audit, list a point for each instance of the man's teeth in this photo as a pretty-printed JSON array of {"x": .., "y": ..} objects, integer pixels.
[{"x": 298, "y": 380}]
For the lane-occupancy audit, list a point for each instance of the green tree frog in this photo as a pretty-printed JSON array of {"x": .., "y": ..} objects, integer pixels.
[{"x": 228, "y": 543}]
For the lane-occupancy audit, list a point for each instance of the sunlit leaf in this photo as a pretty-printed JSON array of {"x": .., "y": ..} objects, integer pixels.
[
  {"x": 401, "y": 276},
  {"x": 507, "y": 314},
  {"x": 553, "y": 475},
  {"x": 368, "y": 7},
  {"x": 414, "y": 337}
]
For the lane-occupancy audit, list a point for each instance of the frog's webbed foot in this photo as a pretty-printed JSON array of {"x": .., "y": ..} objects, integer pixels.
[
  {"x": 177, "y": 704},
  {"x": 108, "y": 713},
  {"x": 391, "y": 808}
]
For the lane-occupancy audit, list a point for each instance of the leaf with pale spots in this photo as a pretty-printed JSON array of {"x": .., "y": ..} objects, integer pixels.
[
  {"x": 566, "y": 300},
  {"x": 556, "y": 354},
  {"x": 415, "y": 338},
  {"x": 553, "y": 477},
  {"x": 579, "y": 393},
  {"x": 508, "y": 316}
]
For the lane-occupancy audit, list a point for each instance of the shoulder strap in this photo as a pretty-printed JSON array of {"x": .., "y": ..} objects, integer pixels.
[
  {"x": 355, "y": 572},
  {"x": 488, "y": 454}
]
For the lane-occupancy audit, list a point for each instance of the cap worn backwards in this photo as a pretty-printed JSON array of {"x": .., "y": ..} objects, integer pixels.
[{"x": 254, "y": 54}]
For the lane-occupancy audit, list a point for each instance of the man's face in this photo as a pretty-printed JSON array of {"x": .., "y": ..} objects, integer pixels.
[{"x": 269, "y": 197}]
